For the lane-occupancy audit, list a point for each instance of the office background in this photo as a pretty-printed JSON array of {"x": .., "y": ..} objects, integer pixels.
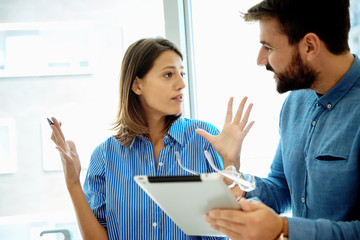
[{"x": 62, "y": 58}]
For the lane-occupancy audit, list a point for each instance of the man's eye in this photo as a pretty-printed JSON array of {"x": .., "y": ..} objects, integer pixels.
[{"x": 267, "y": 48}]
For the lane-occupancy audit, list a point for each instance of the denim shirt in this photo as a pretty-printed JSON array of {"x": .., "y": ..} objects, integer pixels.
[{"x": 315, "y": 171}]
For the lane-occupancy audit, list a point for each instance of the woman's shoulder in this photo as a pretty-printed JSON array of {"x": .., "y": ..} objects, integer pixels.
[
  {"x": 109, "y": 143},
  {"x": 193, "y": 124}
]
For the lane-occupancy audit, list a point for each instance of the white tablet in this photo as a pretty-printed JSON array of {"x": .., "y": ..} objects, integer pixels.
[{"x": 187, "y": 199}]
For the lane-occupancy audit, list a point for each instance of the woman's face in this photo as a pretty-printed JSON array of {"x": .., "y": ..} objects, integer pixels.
[{"x": 160, "y": 90}]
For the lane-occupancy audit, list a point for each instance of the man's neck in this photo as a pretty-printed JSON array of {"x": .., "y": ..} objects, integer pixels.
[{"x": 332, "y": 69}]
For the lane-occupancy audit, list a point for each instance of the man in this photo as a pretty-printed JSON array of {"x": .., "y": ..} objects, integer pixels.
[{"x": 315, "y": 171}]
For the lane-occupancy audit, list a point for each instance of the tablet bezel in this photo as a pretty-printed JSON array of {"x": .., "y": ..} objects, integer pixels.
[{"x": 187, "y": 199}]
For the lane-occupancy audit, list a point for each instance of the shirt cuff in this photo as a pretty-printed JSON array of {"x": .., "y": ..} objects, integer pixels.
[
  {"x": 254, "y": 193},
  {"x": 301, "y": 228}
]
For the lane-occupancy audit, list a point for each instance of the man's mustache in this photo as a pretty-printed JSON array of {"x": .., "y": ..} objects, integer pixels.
[{"x": 269, "y": 67}]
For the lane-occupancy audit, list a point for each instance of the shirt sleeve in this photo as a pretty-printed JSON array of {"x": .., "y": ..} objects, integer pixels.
[
  {"x": 207, "y": 146},
  {"x": 94, "y": 186},
  {"x": 214, "y": 238},
  {"x": 273, "y": 190},
  {"x": 322, "y": 229}
]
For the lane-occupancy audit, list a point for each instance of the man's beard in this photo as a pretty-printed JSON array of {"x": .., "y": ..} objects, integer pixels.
[{"x": 298, "y": 75}]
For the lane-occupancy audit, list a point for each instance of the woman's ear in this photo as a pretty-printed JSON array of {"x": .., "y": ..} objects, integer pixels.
[
  {"x": 136, "y": 86},
  {"x": 311, "y": 46}
]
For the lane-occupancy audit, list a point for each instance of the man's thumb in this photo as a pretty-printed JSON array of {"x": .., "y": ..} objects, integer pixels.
[{"x": 248, "y": 206}]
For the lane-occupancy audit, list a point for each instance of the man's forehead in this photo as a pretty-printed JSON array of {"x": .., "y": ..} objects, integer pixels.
[
  {"x": 270, "y": 32},
  {"x": 271, "y": 24}
]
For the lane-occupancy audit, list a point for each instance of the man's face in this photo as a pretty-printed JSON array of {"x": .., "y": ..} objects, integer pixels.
[
  {"x": 297, "y": 75},
  {"x": 290, "y": 71}
]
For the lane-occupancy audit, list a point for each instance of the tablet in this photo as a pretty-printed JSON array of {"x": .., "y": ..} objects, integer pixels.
[{"x": 187, "y": 199}]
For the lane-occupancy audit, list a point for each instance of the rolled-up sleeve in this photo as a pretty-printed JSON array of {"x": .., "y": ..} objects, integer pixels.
[
  {"x": 273, "y": 190},
  {"x": 94, "y": 185},
  {"x": 322, "y": 229}
]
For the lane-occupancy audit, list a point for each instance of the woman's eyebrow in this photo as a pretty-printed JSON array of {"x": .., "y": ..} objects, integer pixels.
[{"x": 172, "y": 67}]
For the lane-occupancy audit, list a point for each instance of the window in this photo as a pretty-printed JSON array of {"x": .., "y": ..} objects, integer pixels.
[
  {"x": 226, "y": 49},
  {"x": 354, "y": 38},
  {"x": 61, "y": 59}
]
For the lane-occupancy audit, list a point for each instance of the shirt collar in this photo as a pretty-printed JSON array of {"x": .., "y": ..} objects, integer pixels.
[
  {"x": 135, "y": 139},
  {"x": 330, "y": 99},
  {"x": 176, "y": 131}
]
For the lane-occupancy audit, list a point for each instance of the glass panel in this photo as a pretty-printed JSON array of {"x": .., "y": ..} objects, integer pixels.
[
  {"x": 354, "y": 38},
  {"x": 37, "y": 35},
  {"x": 226, "y": 49}
]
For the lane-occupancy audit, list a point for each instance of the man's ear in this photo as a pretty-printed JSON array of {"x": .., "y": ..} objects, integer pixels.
[
  {"x": 310, "y": 46},
  {"x": 136, "y": 86}
]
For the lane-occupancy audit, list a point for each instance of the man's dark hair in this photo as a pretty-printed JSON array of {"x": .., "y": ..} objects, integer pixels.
[{"x": 328, "y": 19}]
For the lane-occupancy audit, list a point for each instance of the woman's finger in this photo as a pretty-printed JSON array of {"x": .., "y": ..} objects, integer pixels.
[
  {"x": 228, "y": 117},
  {"x": 58, "y": 137},
  {"x": 205, "y": 135},
  {"x": 248, "y": 127},
  {"x": 246, "y": 116},
  {"x": 240, "y": 110},
  {"x": 58, "y": 126}
]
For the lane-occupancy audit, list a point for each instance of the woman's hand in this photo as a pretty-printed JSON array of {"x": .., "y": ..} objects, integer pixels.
[
  {"x": 89, "y": 226},
  {"x": 228, "y": 142},
  {"x": 69, "y": 157}
]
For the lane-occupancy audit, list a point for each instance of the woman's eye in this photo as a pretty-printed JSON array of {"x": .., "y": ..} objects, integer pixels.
[
  {"x": 168, "y": 75},
  {"x": 183, "y": 74}
]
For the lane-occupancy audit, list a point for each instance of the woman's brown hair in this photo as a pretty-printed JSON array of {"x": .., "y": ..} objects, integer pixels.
[{"x": 138, "y": 60}]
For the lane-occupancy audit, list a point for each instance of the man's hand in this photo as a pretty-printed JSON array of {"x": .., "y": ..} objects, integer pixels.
[{"x": 255, "y": 221}]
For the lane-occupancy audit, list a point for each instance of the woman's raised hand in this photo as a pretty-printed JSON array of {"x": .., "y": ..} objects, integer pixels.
[
  {"x": 69, "y": 157},
  {"x": 228, "y": 143}
]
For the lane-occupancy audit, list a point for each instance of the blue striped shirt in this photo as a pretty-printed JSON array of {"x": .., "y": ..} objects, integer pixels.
[{"x": 120, "y": 204}]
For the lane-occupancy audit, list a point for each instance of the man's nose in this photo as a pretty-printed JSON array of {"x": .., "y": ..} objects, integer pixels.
[{"x": 262, "y": 58}]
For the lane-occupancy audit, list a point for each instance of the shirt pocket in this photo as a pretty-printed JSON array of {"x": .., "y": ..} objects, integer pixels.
[{"x": 329, "y": 157}]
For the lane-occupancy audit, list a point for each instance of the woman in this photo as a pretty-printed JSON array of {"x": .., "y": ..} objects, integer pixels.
[{"x": 149, "y": 130}]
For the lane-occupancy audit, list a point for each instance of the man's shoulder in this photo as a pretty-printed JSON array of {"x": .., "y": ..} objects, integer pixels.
[
  {"x": 300, "y": 97},
  {"x": 302, "y": 94}
]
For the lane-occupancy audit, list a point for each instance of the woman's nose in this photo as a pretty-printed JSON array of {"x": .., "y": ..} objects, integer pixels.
[{"x": 181, "y": 82}]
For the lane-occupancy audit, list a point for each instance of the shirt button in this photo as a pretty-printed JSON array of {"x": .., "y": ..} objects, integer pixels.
[
  {"x": 306, "y": 159},
  {"x": 160, "y": 164},
  {"x": 317, "y": 105},
  {"x": 166, "y": 136},
  {"x": 154, "y": 224},
  {"x": 313, "y": 123},
  {"x": 303, "y": 200},
  {"x": 329, "y": 106}
]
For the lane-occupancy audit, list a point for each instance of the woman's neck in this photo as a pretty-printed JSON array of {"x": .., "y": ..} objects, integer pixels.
[
  {"x": 156, "y": 134},
  {"x": 156, "y": 128}
]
